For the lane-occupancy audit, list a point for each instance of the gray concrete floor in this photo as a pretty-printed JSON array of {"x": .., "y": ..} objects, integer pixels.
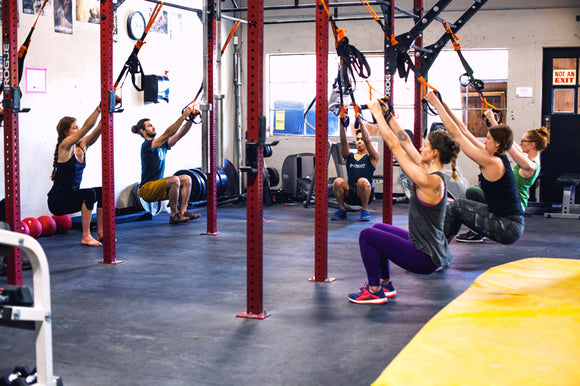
[{"x": 167, "y": 316}]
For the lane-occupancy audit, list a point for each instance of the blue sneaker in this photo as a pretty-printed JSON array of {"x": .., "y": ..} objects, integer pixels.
[
  {"x": 339, "y": 215},
  {"x": 365, "y": 215},
  {"x": 364, "y": 296},
  {"x": 389, "y": 290}
]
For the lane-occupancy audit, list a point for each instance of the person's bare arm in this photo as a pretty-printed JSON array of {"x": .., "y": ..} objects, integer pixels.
[
  {"x": 180, "y": 134},
  {"x": 75, "y": 138},
  {"x": 344, "y": 149},
  {"x": 171, "y": 130},
  {"x": 92, "y": 137},
  {"x": 404, "y": 140},
  {"x": 373, "y": 153},
  {"x": 464, "y": 130},
  {"x": 413, "y": 170},
  {"x": 477, "y": 154},
  {"x": 527, "y": 166}
]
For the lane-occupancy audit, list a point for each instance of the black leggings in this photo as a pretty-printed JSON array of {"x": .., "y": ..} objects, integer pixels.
[
  {"x": 476, "y": 215},
  {"x": 71, "y": 202}
]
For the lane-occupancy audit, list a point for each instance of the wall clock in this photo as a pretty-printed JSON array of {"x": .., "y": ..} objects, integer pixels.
[{"x": 136, "y": 25}]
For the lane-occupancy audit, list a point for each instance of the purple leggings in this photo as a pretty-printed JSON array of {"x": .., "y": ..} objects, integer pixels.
[{"x": 383, "y": 242}]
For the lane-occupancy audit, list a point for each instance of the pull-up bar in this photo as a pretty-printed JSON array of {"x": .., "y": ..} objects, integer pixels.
[{"x": 196, "y": 10}]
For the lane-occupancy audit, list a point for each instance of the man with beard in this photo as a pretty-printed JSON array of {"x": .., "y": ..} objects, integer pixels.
[{"x": 153, "y": 186}]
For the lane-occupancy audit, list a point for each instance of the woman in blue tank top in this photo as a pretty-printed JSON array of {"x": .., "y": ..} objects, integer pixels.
[
  {"x": 66, "y": 196},
  {"x": 501, "y": 218},
  {"x": 423, "y": 249}
]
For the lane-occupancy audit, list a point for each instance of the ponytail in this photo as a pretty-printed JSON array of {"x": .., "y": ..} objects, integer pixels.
[
  {"x": 61, "y": 128},
  {"x": 541, "y": 137},
  {"x": 448, "y": 150},
  {"x": 140, "y": 125}
]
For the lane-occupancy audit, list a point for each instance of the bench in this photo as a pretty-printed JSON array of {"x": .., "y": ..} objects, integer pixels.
[{"x": 569, "y": 208}]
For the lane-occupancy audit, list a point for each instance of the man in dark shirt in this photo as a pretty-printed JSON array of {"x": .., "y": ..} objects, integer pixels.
[
  {"x": 153, "y": 186},
  {"x": 360, "y": 167}
]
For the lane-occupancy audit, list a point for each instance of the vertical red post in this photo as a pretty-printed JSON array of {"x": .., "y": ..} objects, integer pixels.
[
  {"x": 211, "y": 189},
  {"x": 321, "y": 155},
  {"x": 255, "y": 180},
  {"x": 11, "y": 144},
  {"x": 418, "y": 122},
  {"x": 109, "y": 252},
  {"x": 387, "y": 155}
]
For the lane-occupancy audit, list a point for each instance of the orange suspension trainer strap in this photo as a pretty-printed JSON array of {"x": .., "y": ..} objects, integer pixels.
[
  {"x": 23, "y": 50},
  {"x": 351, "y": 61},
  {"x": 467, "y": 79},
  {"x": 196, "y": 114},
  {"x": 132, "y": 65}
]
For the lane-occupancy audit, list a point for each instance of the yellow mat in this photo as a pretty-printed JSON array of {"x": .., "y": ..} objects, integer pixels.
[{"x": 517, "y": 324}]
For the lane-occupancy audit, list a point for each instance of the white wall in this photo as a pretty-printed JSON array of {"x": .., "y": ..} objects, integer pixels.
[
  {"x": 497, "y": 25},
  {"x": 73, "y": 81},
  {"x": 73, "y": 88}
]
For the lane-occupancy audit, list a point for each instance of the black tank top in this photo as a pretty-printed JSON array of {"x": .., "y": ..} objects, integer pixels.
[
  {"x": 502, "y": 195},
  {"x": 68, "y": 176},
  {"x": 361, "y": 168}
]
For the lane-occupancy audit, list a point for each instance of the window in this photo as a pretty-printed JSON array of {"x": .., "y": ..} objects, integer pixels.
[
  {"x": 292, "y": 87},
  {"x": 565, "y": 86}
]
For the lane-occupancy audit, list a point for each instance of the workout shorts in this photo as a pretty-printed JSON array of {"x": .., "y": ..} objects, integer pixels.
[
  {"x": 354, "y": 199},
  {"x": 154, "y": 190}
]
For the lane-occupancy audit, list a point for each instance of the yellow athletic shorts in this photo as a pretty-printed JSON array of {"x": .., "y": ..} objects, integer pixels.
[{"x": 154, "y": 190}]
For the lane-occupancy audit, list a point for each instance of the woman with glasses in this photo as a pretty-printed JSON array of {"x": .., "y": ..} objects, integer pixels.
[
  {"x": 501, "y": 218},
  {"x": 526, "y": 171}
]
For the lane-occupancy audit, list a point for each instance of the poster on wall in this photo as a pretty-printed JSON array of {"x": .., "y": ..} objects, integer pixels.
[
  {"x": 32, "y": 7},
  {"x": 160, "y": 24},
  {"x": 35, "y": 80},
  {"x": 63, "y": 16},
  {"x": 88, "y": 11},
  {"x": 175, "y": 26}
]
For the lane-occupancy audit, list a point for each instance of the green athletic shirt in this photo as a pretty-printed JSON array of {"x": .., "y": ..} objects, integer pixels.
[{"x": 524, "y": 184}]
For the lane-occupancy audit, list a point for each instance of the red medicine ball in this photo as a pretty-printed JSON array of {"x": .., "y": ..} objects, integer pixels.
[
  {"x": 63, "y": 223},
  {"x": 48, "y": 225},
  {"x": 24, "y": 228},
  {"x": 34, "y": 226}
]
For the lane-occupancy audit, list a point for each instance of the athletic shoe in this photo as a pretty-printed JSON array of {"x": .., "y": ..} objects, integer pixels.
[
  {"x": 177, "y": 219},
  {"x": 389, "y": 290},
  {"x": 364, "y": 296},
  {"x": 365, "y": 215},
  {"x": 339, "y": 215},
  {"x": 470, "y": 237},
  {"x": 191, "y": 216}
]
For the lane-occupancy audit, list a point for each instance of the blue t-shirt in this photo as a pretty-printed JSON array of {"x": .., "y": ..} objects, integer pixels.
[
  {"x": 152, "y": 161},
  {"x": 361, "y": 168}
]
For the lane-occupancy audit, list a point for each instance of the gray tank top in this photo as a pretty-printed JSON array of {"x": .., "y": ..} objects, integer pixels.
[{"x": 426, "y": 227}]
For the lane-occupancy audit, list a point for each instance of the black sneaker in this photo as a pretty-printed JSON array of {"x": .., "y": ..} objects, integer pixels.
[{"x": 470, "y": 237}]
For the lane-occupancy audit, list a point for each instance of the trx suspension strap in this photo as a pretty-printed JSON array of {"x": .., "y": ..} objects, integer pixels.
[
  {"x": 195, "y": 116},
  {"x": 132, "y": 64},
  {"x": 467, "y": 79},
  {"x": 23, "y": 50},
  {"x": 430, "y": 52},
  {"x": 351, "y": 61},
  {"x": 403, "y": 42}
]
